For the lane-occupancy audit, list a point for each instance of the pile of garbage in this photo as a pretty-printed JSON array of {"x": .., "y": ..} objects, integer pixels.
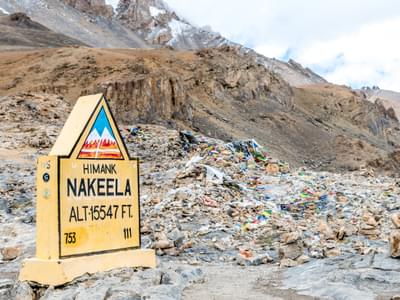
[{"x": 207, "y": 200}]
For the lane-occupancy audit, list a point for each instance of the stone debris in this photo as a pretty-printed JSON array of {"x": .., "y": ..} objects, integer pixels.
[
  {"x": 290, "y": 237},
  {"x": 207, "y": 201},
  {"x": 302, "y": 259},
  {"x": 396, "y": 220},
  {"x": 291, "y": 251},
  {"x": 394, "y": 241},
  {"x": 10, "y": 253}
]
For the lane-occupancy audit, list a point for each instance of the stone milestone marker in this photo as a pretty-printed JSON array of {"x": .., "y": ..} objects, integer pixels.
[{"x": 88, "y": 214}]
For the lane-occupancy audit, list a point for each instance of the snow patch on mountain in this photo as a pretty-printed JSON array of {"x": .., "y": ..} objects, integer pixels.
[
  {"x": 155, "y": 12},
  {"x": 178, "y": 27},
  {"x": 2, "y": 10},
  {"x": 113, "y": 3}
]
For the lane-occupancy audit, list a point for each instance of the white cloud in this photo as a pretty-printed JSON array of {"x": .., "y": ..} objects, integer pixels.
[
  {"x": 352, "y": 42},
  {"x": 370, "y": 55},
  {"x": 275, "y": 51}
]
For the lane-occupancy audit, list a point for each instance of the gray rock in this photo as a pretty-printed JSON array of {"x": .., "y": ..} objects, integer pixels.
[
  {"x": 163, "y": 292},
  {"x": 384, "y": 262},
  {"x": 23, "y": 291},
  {"x": 254, "y": 261},
  {"x": 346, "y": 277},
  {"x": 191, "y": 275},
  {"x": 394, "y": 243},
  {"x": 122, "y": 294},
  {"x": 291, "y": 251},
  {"x": 6, "y": 286}
]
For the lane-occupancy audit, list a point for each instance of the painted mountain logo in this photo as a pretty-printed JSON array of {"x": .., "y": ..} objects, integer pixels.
[{"x": 101, "y": 142}]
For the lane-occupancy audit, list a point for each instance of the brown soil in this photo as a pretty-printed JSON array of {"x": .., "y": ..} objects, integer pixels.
[{"x": 221, "y": 93}]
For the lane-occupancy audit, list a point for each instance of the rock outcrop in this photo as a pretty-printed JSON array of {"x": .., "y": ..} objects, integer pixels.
[
  {"x": 18, "y": 31},
  {"x": 394, "y": 241},
  {"x": 92, "y": 26},
  {"x": 94, "y": 7},
  {"x": 388, "y": 99},
  {"x": 159, "y": 25},
  {"x": 143, "y": 24},
  {"x": 220, "y": 92},
  {"x": 394, "y": 238}
]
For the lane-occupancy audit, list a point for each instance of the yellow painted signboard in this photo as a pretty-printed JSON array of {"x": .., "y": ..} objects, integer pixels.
[
  {"x": 88, "y": 212},
  {"x": 98, "y": 206}
]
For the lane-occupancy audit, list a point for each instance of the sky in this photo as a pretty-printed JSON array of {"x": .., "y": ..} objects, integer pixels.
[{"x": 352, "y": 42}]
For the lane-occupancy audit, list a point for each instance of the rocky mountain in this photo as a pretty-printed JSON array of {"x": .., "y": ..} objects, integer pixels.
[
  {"x": 221, "y": 210},
  {"x": 389, "y": 99},
  {"x": 140, "y": 24},
  {"x": 227, "y": 91},
  {"x": 293, "y": 72},
  {"x": 92, "y": 30},
  {"x": 93, "y": 7},
  {"x": 19, "y": 31},
  {"x": 158, "y": 25},
  {"x": 220, "y": 92}
]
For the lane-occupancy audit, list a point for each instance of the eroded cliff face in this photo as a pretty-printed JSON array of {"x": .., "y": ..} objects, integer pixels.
[
  {"x": 141, "y": 14},
  {"x": 180, "y": 88},
  {"x": 156, "y": 85},
  {"x": 92, "y": 28},
  {"x": 18, "y": 31},
  {"x": 221, "y": 92},
  {"x": 142, "y": 24},
  {"x": 94, "y": 7},
  {"x": 159, "y": 25}
]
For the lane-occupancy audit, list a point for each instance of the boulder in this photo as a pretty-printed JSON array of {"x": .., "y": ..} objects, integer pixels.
[
  {"x": 291, "y": 251},
  {"x": 10, "y": 253},
  {"x": 396, "y": 220},
  {"x": 394, "y": 243},
  {"x": 163, "y": 244},
  {"x": 290, "y": 237}
]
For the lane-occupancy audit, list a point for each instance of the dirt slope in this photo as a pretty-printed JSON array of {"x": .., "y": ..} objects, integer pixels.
[
  {"x": 18, "y": 31},
  {"x": 220, "y": 92},
  {"x": 142, "y": 24},
  {"x": 96, "y": 31},
  {"x": 389, "y": 99}
]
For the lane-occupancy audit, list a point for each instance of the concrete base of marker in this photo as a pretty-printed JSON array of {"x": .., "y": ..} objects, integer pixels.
[{"x": 59, "y": 272}]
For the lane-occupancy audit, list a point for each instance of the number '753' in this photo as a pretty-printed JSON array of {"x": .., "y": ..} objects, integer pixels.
[{"x": 70, "y": 237}]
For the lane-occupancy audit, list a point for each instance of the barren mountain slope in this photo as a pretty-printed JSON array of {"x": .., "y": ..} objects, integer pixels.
[
  {"x": 96, "y": 31},
  {"x": 158, "y": 25},
  {"x": 389, "y": 99},
  {"x": 220, "y": 92},
  {"x": 138, "y": 24},
  {"x": 95, "y": 7},
  {"x": 18, "y": 31},
  {"x": 363, "y": 131}
]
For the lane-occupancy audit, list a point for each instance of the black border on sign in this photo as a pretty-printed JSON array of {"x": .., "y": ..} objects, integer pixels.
[
  {"x": 59, "y": 179},
  {"x": 59, "y": 205}
]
